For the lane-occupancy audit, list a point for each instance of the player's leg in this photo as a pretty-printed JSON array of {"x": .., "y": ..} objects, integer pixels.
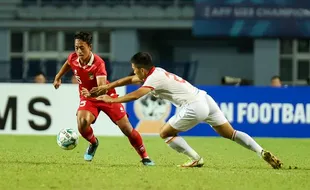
[
  {"x": 84, "y": 120},
  {"x": 118, "y": 115},
  {"x": 186, "y": 118},
  {"x": 227, "y": 131},
  {"x": 177, "y": 143},
  {"x": 86, "y": 115},
  {"x": 220, "y": 124},
  {"x": 135, "y": 139}
]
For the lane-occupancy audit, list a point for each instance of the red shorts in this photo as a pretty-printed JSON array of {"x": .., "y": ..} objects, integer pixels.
[{"x": 115, "y": 111}]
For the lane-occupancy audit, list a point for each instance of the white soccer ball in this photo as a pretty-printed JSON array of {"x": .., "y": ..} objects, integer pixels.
[{"x": 67, "y": 139}]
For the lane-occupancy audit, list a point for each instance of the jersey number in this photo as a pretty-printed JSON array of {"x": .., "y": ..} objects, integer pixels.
[
  {"x": 82, "y": 103},
  {"x": 174, "y": 77}
]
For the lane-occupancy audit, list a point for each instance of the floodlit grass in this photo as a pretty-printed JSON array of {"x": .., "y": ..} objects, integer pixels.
[{"x": 36, "y": 162}]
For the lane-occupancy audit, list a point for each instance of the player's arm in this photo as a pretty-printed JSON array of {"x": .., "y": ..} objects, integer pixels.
[
  {"x": 102, "y": 89},
  {"x": 101, "y": 80},
  {"x": 126, "y": 98},
  {"x": 64, "y": 69},
  {"x": 124, "y": 81}
]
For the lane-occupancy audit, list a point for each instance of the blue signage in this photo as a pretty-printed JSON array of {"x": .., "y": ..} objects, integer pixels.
[{"x": 258, "y": 111}]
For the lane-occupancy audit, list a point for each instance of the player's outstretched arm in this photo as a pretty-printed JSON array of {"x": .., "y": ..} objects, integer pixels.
[
  {"x": 100, "y": 90},
  {"x": 64, "y": 69},
  {"x": 124, "y": 81},
  {"x": 126, "y": 98}
]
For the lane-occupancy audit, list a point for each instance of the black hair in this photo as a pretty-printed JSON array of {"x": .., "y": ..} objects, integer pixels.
[
  {"x": 84, "y": 36},
  {"x": 39, "y": 73},
  {"x": 275, "y": 77},
  {"x": 142, "y": 60}
]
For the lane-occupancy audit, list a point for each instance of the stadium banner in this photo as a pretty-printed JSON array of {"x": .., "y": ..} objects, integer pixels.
[
  {"x": 39, "y": 109},
  {"x": 258, "y": 111},
  {"x": 252, "y": 18}
]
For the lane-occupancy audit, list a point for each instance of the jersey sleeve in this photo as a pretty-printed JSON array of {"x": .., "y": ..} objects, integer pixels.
[
  {"x": 101, "y": 71},
  {"x": 70, "y": 57},
  {"x": 152, "y": 82}
]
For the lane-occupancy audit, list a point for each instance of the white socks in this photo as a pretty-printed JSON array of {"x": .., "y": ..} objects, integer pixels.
[
  {"x": 180, "y": 145},
  {"x": 246, "y": 141}
]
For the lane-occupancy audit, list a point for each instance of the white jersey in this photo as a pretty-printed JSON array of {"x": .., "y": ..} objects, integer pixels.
[{"x": 171, "y": 87}]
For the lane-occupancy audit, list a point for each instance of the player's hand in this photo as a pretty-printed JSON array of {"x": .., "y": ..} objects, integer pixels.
[
  {"x": 105, "y": 98},
  {"x": 85, "y": 92},
  {"x": 57, "y": 83},
  {"x": 100, "y": 90}
]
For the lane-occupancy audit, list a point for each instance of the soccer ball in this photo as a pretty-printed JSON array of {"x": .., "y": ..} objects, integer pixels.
[{"x": 67, "y": 139}]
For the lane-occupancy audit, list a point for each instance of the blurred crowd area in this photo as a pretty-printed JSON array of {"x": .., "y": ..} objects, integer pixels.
[
  {"x": 38, "y": 36},
  {"x": 58, "y": 3},
  {"x": 275, "y": 81}
]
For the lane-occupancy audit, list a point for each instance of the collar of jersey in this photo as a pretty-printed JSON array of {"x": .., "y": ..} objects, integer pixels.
[
  {"x": 150, "y": 72},
  {"x": 90, "y": 61}
]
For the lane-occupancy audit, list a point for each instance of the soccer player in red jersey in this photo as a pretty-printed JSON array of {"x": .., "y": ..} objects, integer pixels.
[{"x": 89, "y": 70}]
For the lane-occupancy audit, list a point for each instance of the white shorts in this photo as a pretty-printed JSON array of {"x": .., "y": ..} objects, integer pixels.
[{"x": 205, "y": 110}]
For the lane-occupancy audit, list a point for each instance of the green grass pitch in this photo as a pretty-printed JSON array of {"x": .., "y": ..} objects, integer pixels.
[{"x": 36, "y": 162}]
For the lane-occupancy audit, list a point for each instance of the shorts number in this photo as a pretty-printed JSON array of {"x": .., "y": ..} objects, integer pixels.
[
  {"x": 78, "y": 79},
  {"x": 83, "y": 103},
  {"x": 174, "y": 77}
]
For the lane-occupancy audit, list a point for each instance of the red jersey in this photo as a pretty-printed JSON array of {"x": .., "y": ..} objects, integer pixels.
[{"x": 86, "y": 75}]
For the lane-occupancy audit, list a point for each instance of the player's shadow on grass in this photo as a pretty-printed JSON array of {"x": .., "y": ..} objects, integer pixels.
[
  {"x": 122, "y": 165},
  {"x": 135, "y": 165},
  {"x": 252, "y": 168},
  {"x": 94, "y": 163}
]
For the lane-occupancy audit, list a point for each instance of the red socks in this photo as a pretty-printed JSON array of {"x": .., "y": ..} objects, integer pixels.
[
  {"x": 88, "y": 134},
  {"x": 137, "y": 142},
  {"x": 134, "y": 138}
]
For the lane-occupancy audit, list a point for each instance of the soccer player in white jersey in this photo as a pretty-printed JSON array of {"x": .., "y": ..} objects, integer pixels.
[{"x": 195, "y": 106}]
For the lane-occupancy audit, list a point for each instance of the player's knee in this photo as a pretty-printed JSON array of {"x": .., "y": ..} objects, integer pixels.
[
  {"x": 82, "y": 123},
  {"x": 126, "y": 130},
  {"x": 227, "y": 136},
  {"x": 163, "y": 135},
  {"x": 125, "y": 127}
]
